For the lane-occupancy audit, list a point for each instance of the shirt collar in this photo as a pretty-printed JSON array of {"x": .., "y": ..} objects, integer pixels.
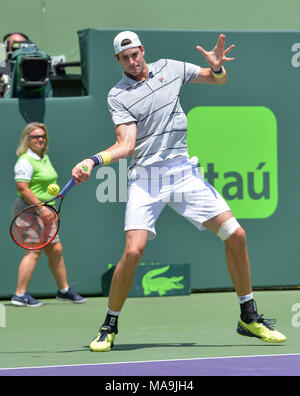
[
  {"x": 132, "y": 82},
  {"x": 33, "y": 154}
]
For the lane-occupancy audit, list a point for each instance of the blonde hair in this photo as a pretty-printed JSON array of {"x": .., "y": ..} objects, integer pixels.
[{"x": 23, "y": 145}]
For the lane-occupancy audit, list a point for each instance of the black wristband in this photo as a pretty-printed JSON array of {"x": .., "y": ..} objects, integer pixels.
[
  {"x": 217, "y": 72},
  {"x": 97, "y": 159}
]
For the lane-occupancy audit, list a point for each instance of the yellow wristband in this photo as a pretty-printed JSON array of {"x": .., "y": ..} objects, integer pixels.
[
  {"x": 105, "y": 155},
  {"x": 220, "y": 74}
]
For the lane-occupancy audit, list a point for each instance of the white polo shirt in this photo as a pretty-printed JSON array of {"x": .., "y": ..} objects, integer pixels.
[{"x": 154, "y": 105}]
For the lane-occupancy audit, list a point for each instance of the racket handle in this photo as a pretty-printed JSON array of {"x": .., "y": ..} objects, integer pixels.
[
  {"x": 70, "y": 184},
  {"x": 67, "y": 187}
]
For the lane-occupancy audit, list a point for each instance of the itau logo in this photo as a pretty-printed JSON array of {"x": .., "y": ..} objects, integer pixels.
[{"x": 237, "y": 147}]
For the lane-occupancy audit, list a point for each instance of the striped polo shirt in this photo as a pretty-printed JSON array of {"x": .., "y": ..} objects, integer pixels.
[{"x": 154, "y": 105}]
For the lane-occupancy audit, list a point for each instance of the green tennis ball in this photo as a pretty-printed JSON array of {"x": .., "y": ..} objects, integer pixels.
[
  {"x": 85, "y": 168},
  {"x": 53, "y": 189}
]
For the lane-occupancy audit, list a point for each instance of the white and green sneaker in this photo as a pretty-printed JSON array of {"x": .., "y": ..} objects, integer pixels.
[
  {"x": 104, "y": 340},
  {"x": 261, "y": 328}
]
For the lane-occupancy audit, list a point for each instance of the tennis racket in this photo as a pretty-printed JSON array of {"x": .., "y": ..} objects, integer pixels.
[{"x": 34, "y": 227}]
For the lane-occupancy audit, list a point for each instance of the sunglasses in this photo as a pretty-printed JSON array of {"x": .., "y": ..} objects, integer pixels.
[{"x": 38, "y": 137}]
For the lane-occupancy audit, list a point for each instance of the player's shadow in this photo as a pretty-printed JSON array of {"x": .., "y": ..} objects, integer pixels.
[{"x": 133, "y": 347}]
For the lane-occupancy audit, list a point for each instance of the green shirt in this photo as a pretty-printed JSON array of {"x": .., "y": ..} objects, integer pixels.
[{"x": 38, "y": 172}]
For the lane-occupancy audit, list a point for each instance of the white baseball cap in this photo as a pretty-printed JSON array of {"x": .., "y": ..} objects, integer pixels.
[{"x": 133, "y": 37}]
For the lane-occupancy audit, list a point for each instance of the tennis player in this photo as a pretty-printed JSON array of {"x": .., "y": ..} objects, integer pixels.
[{"x": 151, "y": 127}]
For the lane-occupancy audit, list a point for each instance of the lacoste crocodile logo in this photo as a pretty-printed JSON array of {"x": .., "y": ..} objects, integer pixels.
[{"x": 161, "y": 285}]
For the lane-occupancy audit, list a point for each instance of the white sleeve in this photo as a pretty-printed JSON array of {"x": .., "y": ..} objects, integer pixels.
[
  {"x": 23, "y": 170},
  {"x": 187, "y": 71},
  {"x": 191, "y": 72},
  {"x": 119, "y": 114}
]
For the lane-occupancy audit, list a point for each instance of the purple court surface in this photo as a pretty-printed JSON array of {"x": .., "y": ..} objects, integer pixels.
[{"x": 270, "y": 365}]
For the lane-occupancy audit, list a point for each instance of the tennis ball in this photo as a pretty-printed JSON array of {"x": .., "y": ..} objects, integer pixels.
[{"x": 53, "y": 189}]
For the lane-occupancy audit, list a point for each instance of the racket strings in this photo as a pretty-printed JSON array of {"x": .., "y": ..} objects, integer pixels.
[{"x": 32, "y": 230}]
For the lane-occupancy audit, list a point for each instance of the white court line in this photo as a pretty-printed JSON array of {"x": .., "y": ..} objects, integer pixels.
[{"x": 149, "y": 361}]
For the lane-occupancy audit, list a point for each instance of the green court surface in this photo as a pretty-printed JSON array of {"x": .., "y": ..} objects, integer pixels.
[{"x": 151, "y": 328}]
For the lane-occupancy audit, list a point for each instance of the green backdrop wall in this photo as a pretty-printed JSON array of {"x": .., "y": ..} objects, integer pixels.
[
  {"x": 264, "y": 76},
  {"x": 53, "y": 24}
]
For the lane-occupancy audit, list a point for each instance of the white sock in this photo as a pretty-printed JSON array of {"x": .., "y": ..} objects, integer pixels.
[
  {"x": 64, "y": 290},
  {"x": 243, "y": 299},
  {"x": 109, "y": 311}
]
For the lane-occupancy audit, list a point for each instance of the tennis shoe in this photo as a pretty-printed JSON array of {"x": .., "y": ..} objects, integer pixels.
[
  {"x": 261, "y": 328},
  {"x": 104, "y": 340},
  {"x": 26, "y": 300},
  {"x": 70, "y": 295}
]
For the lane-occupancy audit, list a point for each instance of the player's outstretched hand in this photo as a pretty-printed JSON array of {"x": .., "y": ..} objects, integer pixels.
[
  {"x": 82, "y": 171},
  {"x": 217, "y": 56}
]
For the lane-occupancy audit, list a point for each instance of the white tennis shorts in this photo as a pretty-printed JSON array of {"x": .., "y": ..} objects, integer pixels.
[{"x": 176, "y": 182}]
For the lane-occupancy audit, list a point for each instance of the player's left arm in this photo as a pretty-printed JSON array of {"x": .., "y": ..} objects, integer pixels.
[{"x": 216, "y": 74}]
